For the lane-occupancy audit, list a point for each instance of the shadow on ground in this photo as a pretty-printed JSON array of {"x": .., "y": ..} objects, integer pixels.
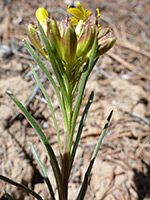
[{"x": 142, "y": 182}]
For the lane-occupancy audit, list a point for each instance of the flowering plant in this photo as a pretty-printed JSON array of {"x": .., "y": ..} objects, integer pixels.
[{"x": 72, "y": 46}]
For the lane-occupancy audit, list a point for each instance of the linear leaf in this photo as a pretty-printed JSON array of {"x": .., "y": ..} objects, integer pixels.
[
  {"x": 43, "y": 172},
  {"x": 46, "y": 145},
  {"x": 49, "y": 104},
  {"x": 41, "y": 65},
  {"x": 59, "y": 60},
  {"x": 84, "y": 115},
  {"x": 23, "y": 187},
  {"x": 8, "y": 195},
  {"x": 81, "y": 89},
  {"x": 85, "y": 181},
  {"x": 54, "y": 66}
]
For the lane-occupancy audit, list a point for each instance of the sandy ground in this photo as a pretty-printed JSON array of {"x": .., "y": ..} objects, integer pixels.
[{"x": 120, "y": 81}]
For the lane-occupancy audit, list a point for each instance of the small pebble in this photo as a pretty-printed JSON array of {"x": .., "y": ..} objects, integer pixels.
[
  {"x": 45, "y": 125},
  {"x": 125, "y": 77}
]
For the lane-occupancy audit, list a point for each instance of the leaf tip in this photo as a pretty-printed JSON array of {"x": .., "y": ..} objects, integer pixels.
[
  {"x": 9, "y": 92},
  {"x": 110, "y": 115}
]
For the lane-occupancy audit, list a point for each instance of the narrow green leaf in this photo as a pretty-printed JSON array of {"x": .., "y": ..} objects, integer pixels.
[
  {"x": 8, "y": 195},
  {"x": 101, "y": 136},
  {"x": 43, "y": 172},
  {"x": 59, "y": 60},
  {"x": 50, "y": 106},
  {"x": 41, "y": 65},
  {"x": 46, "y": 145},
  {"x": 85, "y": 181},
  {"x": 54, "y": 66},
  {"x": 84, "y": 115},
  {"x": 81, "y": 89},
  {"x": 23, "y": 187}
]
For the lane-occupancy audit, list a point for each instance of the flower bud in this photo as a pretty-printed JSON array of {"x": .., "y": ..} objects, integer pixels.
[
  {"x": 69, "y": 44},
  {"x": 102, "y": 32},
  {"x": 62, "y": 26},
  {"x": 55, "y": 34},
  {"x": 35, "y": 39},
  {"x": 106, "y": 40},
  {"x": 86, "y": 40}
]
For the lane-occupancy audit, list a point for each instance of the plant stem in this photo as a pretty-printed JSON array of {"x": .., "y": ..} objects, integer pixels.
[
  {"x": 66, "y": 152},
  {"x": 65, "y": 171},
  {"x": 66, "y": 158}
]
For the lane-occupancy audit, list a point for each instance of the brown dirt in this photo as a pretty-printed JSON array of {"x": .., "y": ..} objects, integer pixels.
[{"x": 120, "y": 80}]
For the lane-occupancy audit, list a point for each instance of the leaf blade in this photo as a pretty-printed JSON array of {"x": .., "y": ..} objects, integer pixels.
[
  {"x": 43, "y": 172},
  {"x": 81, "y": 89},
  {"x": 84, "y": 115},
  {"x": 8, "y": 195},
  {"x": 41, "y": 65},
  {"x": 54, "y": 66},
  {"x": 49, "y": 104},
  {"x": 45, "y": 143},
  {"x": 83, "y": 188},
  {"x": 21, "y": 187}
]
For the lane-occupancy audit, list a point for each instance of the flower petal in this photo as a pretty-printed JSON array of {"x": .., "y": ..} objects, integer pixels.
[
  {"x": 74, "y": 21},
  {"x": 41, "y": 15},
  {"x": 87, "y": 14},
  {"x": 76, "y": 12},
  {"x": 79, "y": 13},
  {"x": 98, "y": 13},
  {"x": 80, "y": 7}
]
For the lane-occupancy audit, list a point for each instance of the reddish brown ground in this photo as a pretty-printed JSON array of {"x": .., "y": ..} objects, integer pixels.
[{"x": 120, "y": 80}]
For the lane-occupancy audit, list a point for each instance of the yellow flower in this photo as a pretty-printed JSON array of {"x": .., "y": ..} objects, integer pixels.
[
  {"x": 69, "y": 42},
  {"x": 41, "y": 14},
  {"x": 79, "y": 13},
  {"x": 98, "y": 13}
]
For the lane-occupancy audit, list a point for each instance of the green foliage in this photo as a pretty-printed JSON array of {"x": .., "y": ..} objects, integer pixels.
[
  {"x": 21, "y": 187},
  {"x": 71, "y": 74},
  {"x": 45, "y": 176}
]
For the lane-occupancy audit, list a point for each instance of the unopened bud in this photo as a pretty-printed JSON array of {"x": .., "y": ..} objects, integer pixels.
[
  {"x": 106, "y": 40},
  {"x": 86, "y": 40},
  {"x": 69, "y": 44},
  {"x": 55, "y": 33},
  {"x": 35, "y": 39}
]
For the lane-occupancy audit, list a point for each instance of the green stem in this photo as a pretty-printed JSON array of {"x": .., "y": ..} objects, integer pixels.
[
  {"x": 66, "y": 152},
  {"x": 68, "y": 109},
  {"x": 84, "y": 77},
  {"x": 66, "y": 156}
]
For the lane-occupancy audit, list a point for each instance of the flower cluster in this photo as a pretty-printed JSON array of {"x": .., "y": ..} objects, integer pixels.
[{"x": 73, "y": 37}]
